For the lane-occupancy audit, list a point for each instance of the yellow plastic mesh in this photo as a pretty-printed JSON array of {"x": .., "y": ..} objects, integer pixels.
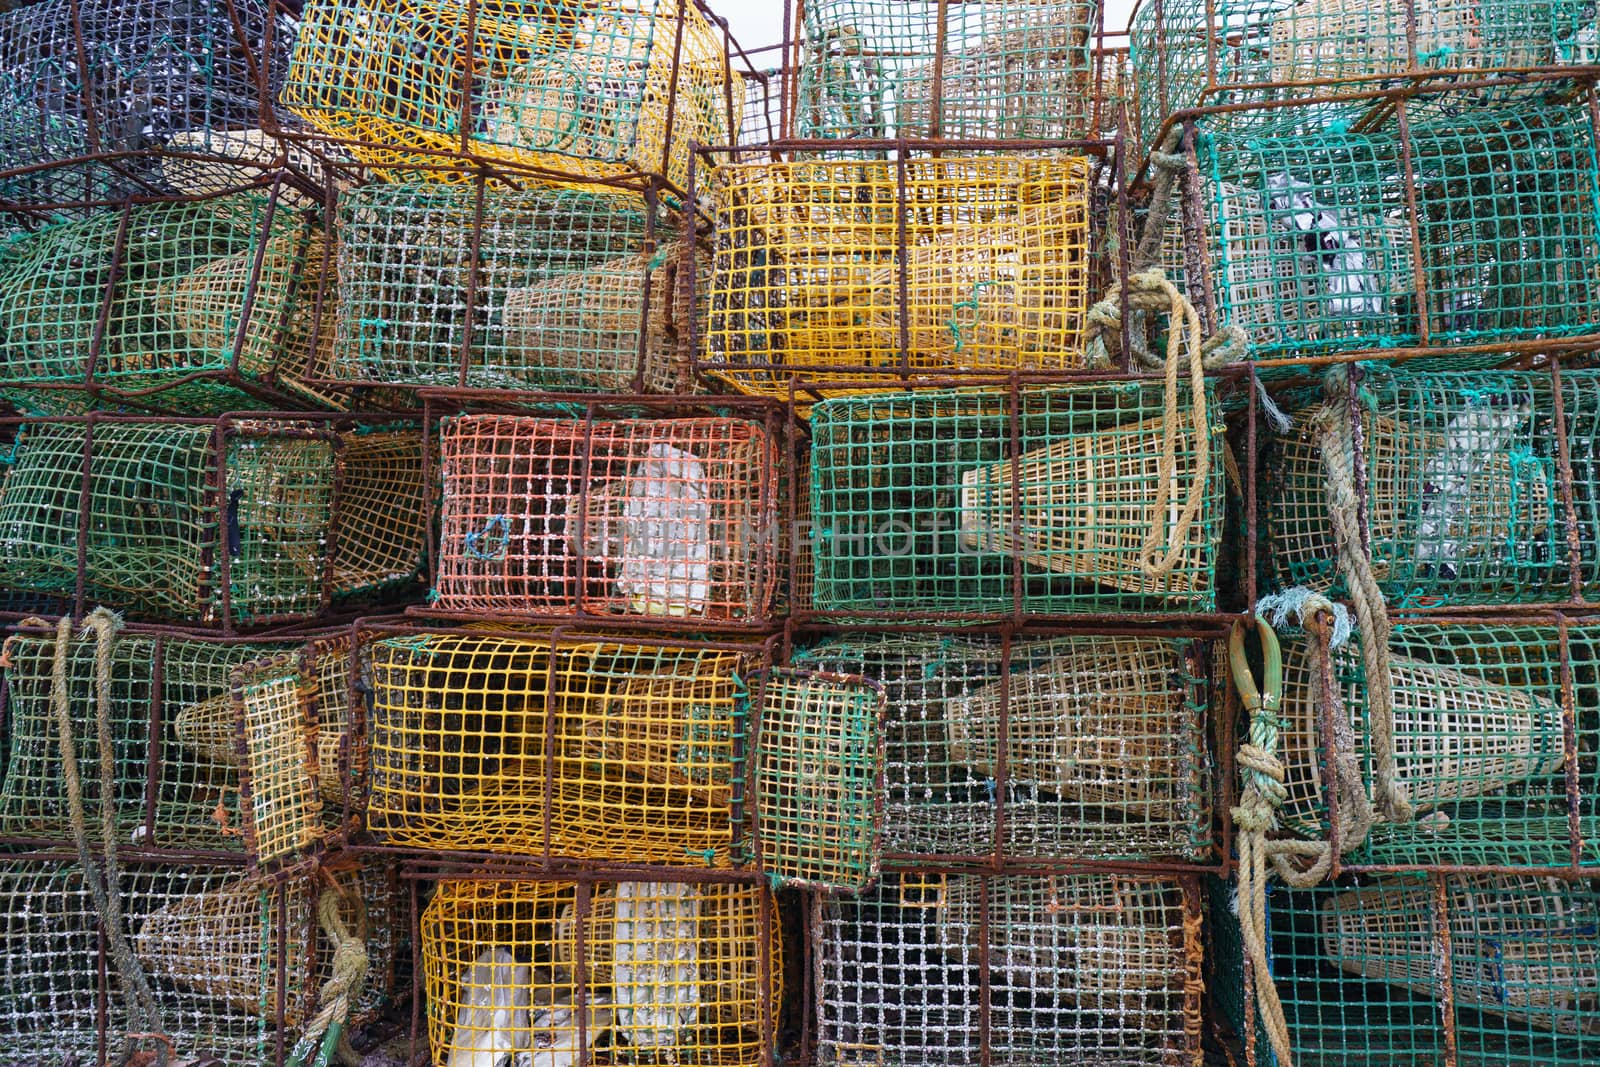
[
  {"x": 380, "y": 510},
  {"x": 634, "y": 972},
  {"x": 806, "y": 280}
]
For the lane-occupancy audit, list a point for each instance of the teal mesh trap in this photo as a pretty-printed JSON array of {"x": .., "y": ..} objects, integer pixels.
[{"x": 963, "y": 504}]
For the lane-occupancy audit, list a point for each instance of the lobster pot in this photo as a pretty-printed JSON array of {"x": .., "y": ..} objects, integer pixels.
[
  {"x": 1101, "y": 969},
  {"x": 214, "y": 742},
  {"x": 670, "y": 518},
  {"x": 1463, "y": 499},
  {"x": 1188, "y": 54},
  {"x": 381, "y": 511},
  {"x": 1479, "y": 229},
  {"x": 618, "y": 91},
  {"x": 1104, "y": 742},
  {"x": 643, "y": 972},
  {"x": 1479, "y": 745},
  {"x": 207, "y": 939},
  {"x": 139, "y": 77},
  {"x": 808, "y": 281},
  {"x": 1504, "y": 966},
  {"x": 947, "y": 505},
  {"x": 880, "y": 69},
  {"x": 569, "y": 290},
  {"x": 196, "y": 306}
]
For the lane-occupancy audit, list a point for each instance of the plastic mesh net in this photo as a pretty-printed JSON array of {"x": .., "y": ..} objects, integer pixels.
[
  {"x": 1105, "y": 754},
  {"x": 1340, "y": 48},
  {"x": 155, "y": 527},
  {"x": 661, "y": 517},
  {"x": 915, "y": 498},
  {"x": 567, "y": 290},
  {"x": 932, "y": 969},
  {"x": 381, "y": 511},
  {"x": 1505, "y": 967},
  {"x": 1335, "y": 242},
  {"x": 168, "y": 305},
  {"x": 807, "y": 274},
  {"x": 633, "y": 972},
  {"x": 587, "y": 90},
  {"x": 130, "y": 76},
  {"x": 880, "y": 69}
]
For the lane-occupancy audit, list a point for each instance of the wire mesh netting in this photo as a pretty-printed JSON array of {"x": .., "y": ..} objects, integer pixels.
[
  {"x": 810, "y": 279},
  {"x": 1024, "y": 971},
  {"x": 1189, "y": 53},
  {"x": 1104, "y": 742},
  {"x": 943, "y": 504},
  {"x": 644, "y": 516},
  {"x": 568, "y": 290},
  {"x": 84, "y": 77},
  {"x": 1473, "y": 230},
  {"x": 1481, "y": 745},
  {"x": 880, "y": 69},
  {"x": 1505, "y": 968},
  {"x": 628, "y": 972},
  {"x": 160, "y": 296},
  {"x": 598, "y": 91}
]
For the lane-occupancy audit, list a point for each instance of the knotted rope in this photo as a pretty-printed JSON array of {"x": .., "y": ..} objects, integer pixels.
[{"x": 326, "y": 1031}]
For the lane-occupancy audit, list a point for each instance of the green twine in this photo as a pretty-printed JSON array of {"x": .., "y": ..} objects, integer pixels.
[{"x": 969, "y": 304}]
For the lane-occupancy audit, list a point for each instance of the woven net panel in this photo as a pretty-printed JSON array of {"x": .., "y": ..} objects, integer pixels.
[
  {"x": 632, "y": 972},
  {"x": 132, "y": 76},
  {"x": 1339, "y": 48},
  {"x": 806, "y": 276},
  {"x": 207, "y": 941},
  {"x": 878, "y": 69},
  {"x": 155, "y": 527},
  {"x": 179, "y": 306},
  {"x": 629, "y": 748},
  {"x": 913, "y": 498},
  {"x": 1105, "y": 745},
  {"x": 268, "y": 704},
  {"x": 1102, "y": 967},
  {"x": 381, "y": 507},
  {"x": 1479, "y": 746},
  {"x": 559, "y": 295},
  {"x": 657, "y": 517},
  {"x": 1504, "y": 220},
  {"x": 577, "y": 88},
  {"x": 1463, "y": 499}
]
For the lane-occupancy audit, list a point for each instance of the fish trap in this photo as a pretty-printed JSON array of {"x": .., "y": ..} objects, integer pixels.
[
  {"x": 1343, "y": 53},
  {"x": 1480, "y": 745},
  {"x": 874, "y": 271},
  {"x": 225, "y": 523},
  {"x": 1464, "y": 502},
  {"x": 194, "y": 306},
  {"x": 558, "y": 289},
  {"x": 666, "y": 517},
  {"x": 627, "y": 972},
  {"x": 1016, "y": 970},
  {"x": 124, "y": 94},
  {"x": 1475, "y": 230},
  {"x": 1477, "y": 968},
  {"x": 1104, "y": 745},
  {"x": 215, "y": 743},
  {"x": 586, "y": 91},
  {"x": 970, "y": 504},
  {"x": 1016, "y": 69}
]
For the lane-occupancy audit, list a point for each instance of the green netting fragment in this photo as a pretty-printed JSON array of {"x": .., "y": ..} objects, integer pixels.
[{"x": 914, "y": 505}]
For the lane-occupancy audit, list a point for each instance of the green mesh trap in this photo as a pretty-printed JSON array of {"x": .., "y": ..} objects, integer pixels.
[
  {"x": 1479, "y": 969},
  {"x": 1464, "y": 502},
  {"x": 969, "y": 503},
  {"x": 567, "y": 292},
  {"x": 1481, "y": 748},
  {"x": 1479, "y": 229},
  {"x": 878, "y": 69},
  {"x": 931, "y": 969},
  {"x": 1104, "y": 747},
  {"x": 1203, "y": 53},
  {"x": 158, "y": 297},
  {"x": 586, "y": 90}
]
